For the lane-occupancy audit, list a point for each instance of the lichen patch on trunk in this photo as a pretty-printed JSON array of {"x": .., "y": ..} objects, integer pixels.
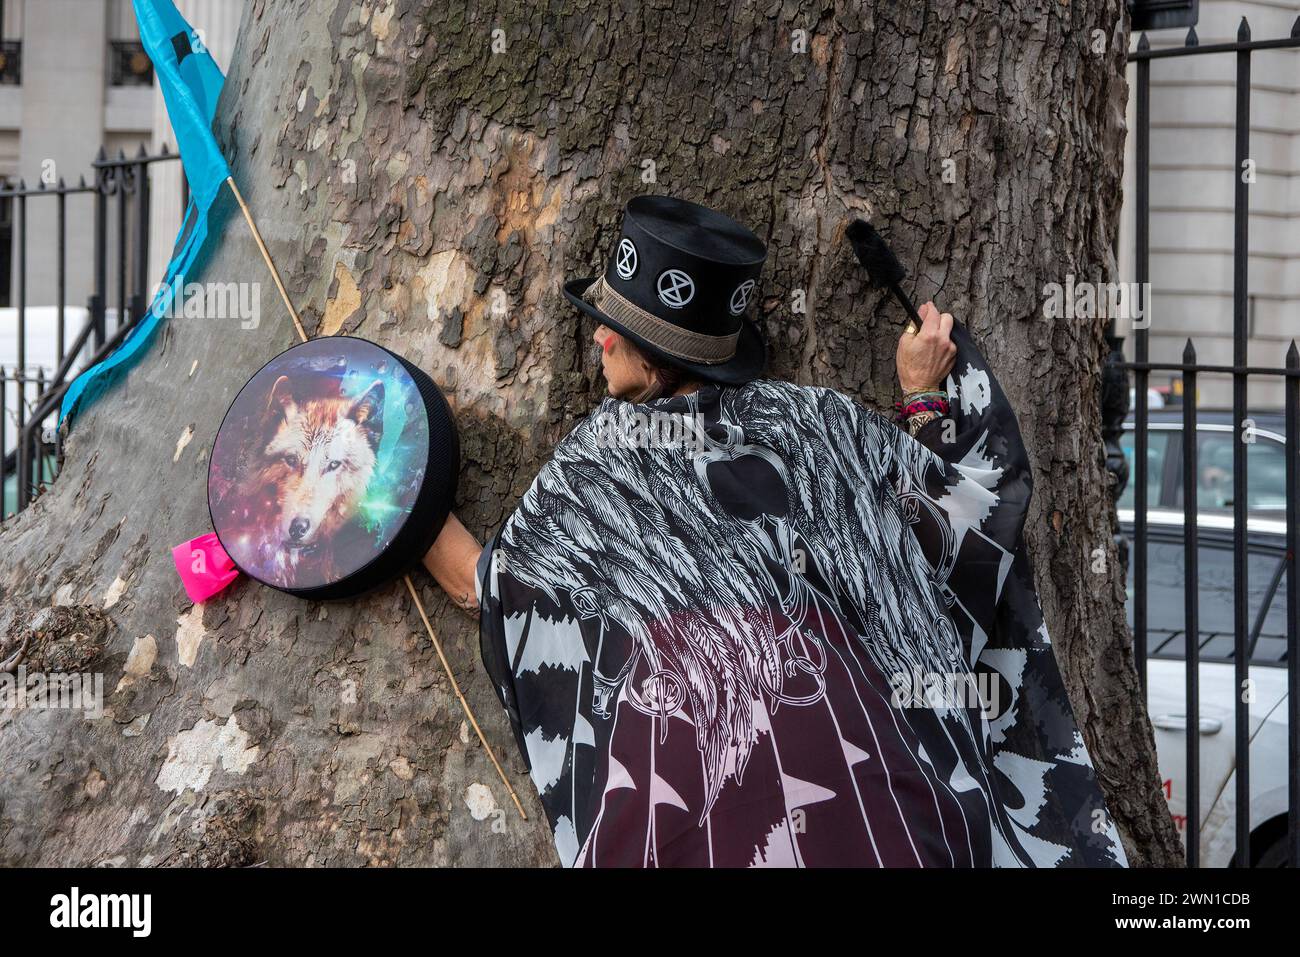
[
  {"x": 183, "y": 441},
  {"x": 144, "y": 652},
  {"x": 193, "y": 755},
  {"x": 114, "y": 593},
  {"x": 480, "y": 801},
  {"x": 343, "y": 303},
  {"x": 189, "y": 635}
]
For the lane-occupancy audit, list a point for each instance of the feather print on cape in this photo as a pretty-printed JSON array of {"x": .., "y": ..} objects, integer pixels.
[{"x": 761, "y": 625}]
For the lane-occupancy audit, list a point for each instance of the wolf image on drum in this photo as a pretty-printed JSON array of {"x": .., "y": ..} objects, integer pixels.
[{"x": 319, "y": 461}]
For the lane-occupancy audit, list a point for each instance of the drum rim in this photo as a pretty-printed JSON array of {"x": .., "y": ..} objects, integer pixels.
[{"x": 358, "y": 582}]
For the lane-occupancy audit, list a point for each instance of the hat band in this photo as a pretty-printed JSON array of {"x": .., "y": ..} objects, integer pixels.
[{"x": 674, "y": 340}]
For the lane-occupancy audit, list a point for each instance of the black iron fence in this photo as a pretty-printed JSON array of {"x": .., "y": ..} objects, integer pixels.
[
  {"x": 1245, "y": 634},
  {"x": 31, "y": 393}
]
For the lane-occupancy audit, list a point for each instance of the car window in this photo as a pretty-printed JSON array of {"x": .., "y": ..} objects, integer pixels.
[
  {"x": 1271, "y": 646},
  {"x": 1157, "y": 445},
  {"x": 1265, "y": 473},
  {"x": 1166, "y": 573}
]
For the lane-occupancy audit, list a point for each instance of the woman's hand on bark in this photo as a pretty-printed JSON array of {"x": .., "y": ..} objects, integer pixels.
[{"x": 925, "y": 357}]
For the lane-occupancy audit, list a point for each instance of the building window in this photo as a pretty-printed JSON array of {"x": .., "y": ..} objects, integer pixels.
[
  {"x": 11, "y": 44},
  {"x": 129, "y": 65},
  {"x": 11, "y": 62}
]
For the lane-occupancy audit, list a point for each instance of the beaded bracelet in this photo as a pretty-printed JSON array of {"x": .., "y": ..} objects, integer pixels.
[
  {"x": 938, "y": 405},
  {"x": 920, "y": 407},
  {"x": 916, "y": 423}
]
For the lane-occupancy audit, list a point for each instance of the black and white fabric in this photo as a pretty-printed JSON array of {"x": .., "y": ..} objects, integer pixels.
[{"x": 706, "y": 644}]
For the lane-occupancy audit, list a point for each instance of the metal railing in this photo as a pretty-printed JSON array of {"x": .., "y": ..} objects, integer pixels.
[
  {"x": 1240, "y": 371},
  {"x": 32, "y": 406}
]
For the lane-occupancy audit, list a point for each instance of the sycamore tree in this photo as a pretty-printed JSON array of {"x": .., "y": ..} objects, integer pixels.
[{"x": 426, "y": 176}]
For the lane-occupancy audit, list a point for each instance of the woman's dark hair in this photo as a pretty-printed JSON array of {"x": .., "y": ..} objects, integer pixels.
[{"x": 666, "y": 378}]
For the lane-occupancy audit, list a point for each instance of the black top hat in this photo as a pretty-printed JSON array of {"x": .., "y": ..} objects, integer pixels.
[{"x": 678, "y": 285}]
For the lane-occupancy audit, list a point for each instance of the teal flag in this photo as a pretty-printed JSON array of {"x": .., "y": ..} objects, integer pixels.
[{"x": 191, "y": 83}]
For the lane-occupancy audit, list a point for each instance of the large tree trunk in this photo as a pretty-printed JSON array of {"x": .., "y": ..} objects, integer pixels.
[{"x": 426, "y": 176}]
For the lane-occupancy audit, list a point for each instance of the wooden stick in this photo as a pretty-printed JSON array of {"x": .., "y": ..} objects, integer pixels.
[
  {"x": 275, "y": 273},
  {"x": 437, "y": 645}
]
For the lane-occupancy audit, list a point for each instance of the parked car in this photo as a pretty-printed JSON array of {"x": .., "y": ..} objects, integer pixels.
[
  {"x": 1215, "y": 434},
  {"x": 1167, "y": 670}
]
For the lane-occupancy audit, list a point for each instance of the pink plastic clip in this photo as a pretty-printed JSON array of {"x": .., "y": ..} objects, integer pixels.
[{"x": 204, "y": 566}]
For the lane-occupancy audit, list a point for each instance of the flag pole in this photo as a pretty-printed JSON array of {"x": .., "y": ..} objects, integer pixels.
[
  {"x": 275, "y": 273},
  {"x": 410, "y": 586}
]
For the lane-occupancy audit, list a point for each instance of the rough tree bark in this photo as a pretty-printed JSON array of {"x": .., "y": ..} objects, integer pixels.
[{"x": 426, "y": 176}]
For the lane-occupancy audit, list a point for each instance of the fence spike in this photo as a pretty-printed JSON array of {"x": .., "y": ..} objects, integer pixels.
[
  {"x": 141, "y": 153},
  {"x": 82, "y": 181},
  {"x": 1293, "y": 357},
  {"x": 41, "y": 185},
  {"x": 62, "y": 185},
  {"x": 101, "y": 155},
  {"x": 1243, "y": 31},
  {"x": 1143, "y": 42},
  {"x": 1192, "y": 39},
  {"x": 22, "y": 185},
  {"x": 1189, "y": 353},
  {"x": 121, "y": 153},
  {"x": 1295, "y": 28}
]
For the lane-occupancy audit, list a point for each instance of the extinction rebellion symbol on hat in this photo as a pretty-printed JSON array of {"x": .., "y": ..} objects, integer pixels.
[
  {"x": 740, "y": 298},
  {"x": 625, "y": 264},
  {"x": 676, "y": 288}
]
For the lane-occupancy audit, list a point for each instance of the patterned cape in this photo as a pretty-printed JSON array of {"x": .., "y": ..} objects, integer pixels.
[{"x": 761, "y": 625}]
